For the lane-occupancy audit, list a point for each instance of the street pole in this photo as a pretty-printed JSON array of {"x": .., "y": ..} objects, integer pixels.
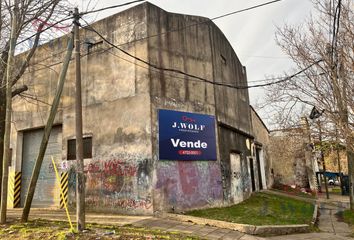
[
  {"x": 46, "y": 134},
  {"x": 338, "y": 160},
  {"x": 6, "y": 155},
  {"x": 80, "y": 178},
  {"x": 308, "y": 154},
  {"x": 322, "y": 158}
]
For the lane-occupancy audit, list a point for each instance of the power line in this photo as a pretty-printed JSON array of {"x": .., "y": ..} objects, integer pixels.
[
  {"x": 90, "y": 28},
  {"x": 245, "y": 9},
  {"x": 111, "y": 7},
  {"x": 173, "y": 30},
  {"x": 198, "y": 23},
  {"x": 278, "y": 78}
]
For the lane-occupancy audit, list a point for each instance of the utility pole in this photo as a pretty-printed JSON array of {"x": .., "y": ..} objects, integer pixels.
[
  {"x": 46, "y": 134},
  {"x": 322, "y": 157},
  {"x": 6, "y": 155},
  {"x": 338, "y": 160},
  {"x": 308, "y": 154},
  {"x": 80, "y": 178}
]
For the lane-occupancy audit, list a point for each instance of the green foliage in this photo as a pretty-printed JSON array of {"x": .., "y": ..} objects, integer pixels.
[
  {"x": 262, "y": 209},
  {"x": 329, "y": 146},
  {"x": 348, "y": 217}
]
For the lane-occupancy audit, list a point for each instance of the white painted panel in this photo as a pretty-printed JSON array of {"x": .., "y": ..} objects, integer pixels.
[{"x": 236, "y": 178}]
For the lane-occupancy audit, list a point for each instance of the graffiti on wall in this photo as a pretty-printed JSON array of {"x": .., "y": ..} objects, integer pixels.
[
  {"x": 245, "y": 179},
  {"x": 119, "y": 182},
  {"x": 244, "y": 185},
  {"x": 189, "y": 184},
  {"x": 123, "y": 203}
]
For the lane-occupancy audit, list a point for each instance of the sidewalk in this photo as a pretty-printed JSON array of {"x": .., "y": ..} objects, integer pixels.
[
  {"x": 330, "y": 227},
  {"x": 328, "y": 222},
  {"x": 202, "y": 231}
]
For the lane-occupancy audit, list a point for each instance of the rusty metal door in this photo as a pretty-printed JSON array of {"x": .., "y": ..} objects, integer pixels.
[
  {"x": 236, "y": 178},
  {"x": 47, "y": 188}
]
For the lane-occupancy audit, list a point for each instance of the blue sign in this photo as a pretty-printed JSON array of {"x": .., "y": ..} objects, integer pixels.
[{"x": 186, "y": 136}]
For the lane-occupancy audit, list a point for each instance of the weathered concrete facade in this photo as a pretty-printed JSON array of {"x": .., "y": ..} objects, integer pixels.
[
  {"x": 265, "y": 177},
  {"x": 121, "y": 98}
]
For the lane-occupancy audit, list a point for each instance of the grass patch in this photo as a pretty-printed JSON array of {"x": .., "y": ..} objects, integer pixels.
[
  {"x": 44, "y": 229},
  {"x": 262, "y": 209},
  {"x": 348, "y": 217}
]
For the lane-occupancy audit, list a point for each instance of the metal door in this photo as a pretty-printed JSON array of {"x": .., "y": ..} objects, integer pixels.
[
  {"x": 236, "y": 178},
  {"x": 47, "y": 188}
]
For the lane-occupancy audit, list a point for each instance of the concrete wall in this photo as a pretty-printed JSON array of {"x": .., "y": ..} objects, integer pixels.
[
  {"x": 181, "y": 185},
  {"x": 283, "y": 155},
  {"x": 116, "y": 112},
  {"x": 186, "y": 185},
  {"x": 261, "y": 138}
]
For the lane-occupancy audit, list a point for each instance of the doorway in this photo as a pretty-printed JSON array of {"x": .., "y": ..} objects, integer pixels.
[{"x": 236, "y": 189}]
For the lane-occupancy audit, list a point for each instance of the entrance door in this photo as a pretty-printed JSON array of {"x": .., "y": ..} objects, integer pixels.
[
  {"x": 261, "y": 171},
  {"x": 236, "y": 178},
  {"x": 47, "y": 188},
  {"x": 251, "y": 169}
]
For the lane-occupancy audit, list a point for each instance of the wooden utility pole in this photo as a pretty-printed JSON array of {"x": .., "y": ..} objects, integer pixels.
[
  {"x": 47, "y": 130},
  {"x": 338, "y": 160},
  {"x": 80, "y": 178},
  {"x": 322, "y": 157},
  {"x": 308, "y": 154},
  {"x": 6, "y": 156}
]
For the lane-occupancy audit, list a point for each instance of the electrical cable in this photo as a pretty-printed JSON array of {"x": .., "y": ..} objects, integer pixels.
[
  {"x": 202, "y": 22},
  {"x": 110, "y": 7},
  {"x": 90, "y": 28},
  {"x": 120, "y": 5}
]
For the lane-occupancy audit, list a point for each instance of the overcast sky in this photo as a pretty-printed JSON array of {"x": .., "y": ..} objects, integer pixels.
[{"x": 251, "y": 33}]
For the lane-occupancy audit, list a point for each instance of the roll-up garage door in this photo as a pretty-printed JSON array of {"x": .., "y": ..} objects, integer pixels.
[{"x": 47, "y": 188}]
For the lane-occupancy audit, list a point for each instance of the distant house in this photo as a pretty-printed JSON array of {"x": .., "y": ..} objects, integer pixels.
[
  {"x": 288, "y": 157},
  {"x": 154, "y": 140}
]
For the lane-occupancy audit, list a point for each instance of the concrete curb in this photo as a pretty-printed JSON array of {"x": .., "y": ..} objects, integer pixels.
[
  {"x": 245, "y": 228},
  {"x": 315, "y": 215}
]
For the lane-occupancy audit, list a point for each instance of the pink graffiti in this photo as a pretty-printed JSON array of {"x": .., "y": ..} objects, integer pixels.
[
  {"x": 112, "y": 167},
  {"x": 119, "y": 168},
  {"x": 94, "y": 167},
  {"x": 189, "y": 177}
]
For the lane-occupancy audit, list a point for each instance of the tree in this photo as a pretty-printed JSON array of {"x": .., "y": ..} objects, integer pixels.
[
  {"x": 19, "y": 18},
  {"x": 324, "y": 42}
]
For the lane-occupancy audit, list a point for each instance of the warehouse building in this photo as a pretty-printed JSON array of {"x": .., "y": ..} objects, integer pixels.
[{"x": 155, "y": 140}]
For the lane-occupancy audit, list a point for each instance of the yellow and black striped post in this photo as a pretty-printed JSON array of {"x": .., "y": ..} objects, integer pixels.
[
  {"x": 64, "y": 189},
  {"x": 15, "y": 189}
]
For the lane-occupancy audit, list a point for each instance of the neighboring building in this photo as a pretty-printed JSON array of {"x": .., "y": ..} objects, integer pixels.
[
  {"x": 264, "y": 177},
  {"x": 285, "y": 147},
  {"x": 129, "y": 165}
]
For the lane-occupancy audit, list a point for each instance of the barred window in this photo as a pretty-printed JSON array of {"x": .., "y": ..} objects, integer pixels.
[{"x": 87, "y": 145}]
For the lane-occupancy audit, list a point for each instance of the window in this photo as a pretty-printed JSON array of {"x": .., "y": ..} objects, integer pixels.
[{"x": 87, "y": 142}]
